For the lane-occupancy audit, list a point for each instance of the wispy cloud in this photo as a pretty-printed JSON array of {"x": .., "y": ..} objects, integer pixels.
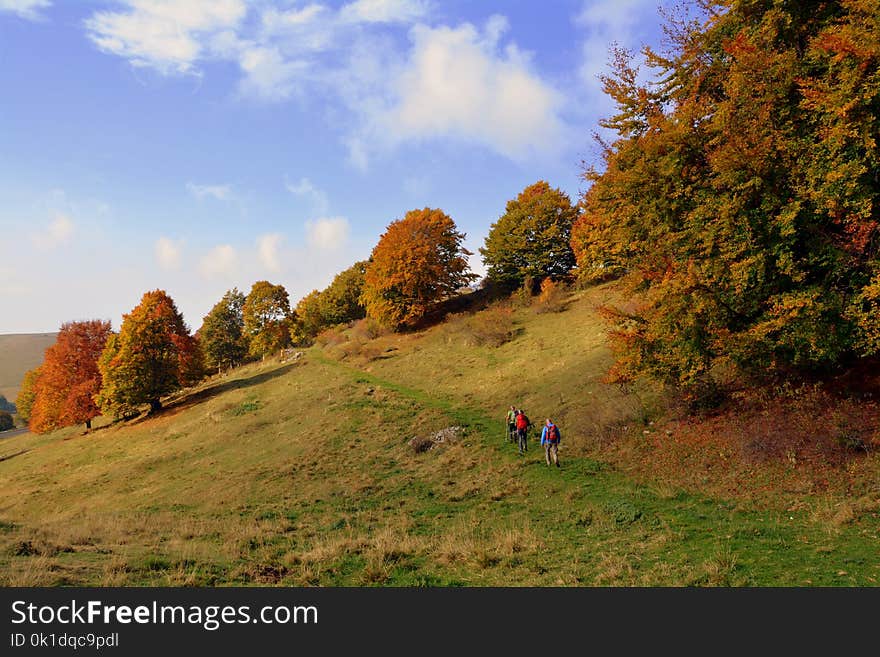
[
  {"x": 166, "y": 35},
  {"x": 328, "y": 233},
  {"x": 28, "y": 9},
  {"x": 304, "y": 188},
  {"x": 268, "y": 247},
  {"x": 218, "y": 192},
  {"x": 168, "y": 253},
  {"x": 220, "y": 261},
  {"x": 58, "y": 232},
  {"x": 466, "y": 83},
  {"x": 604, "y": 22},
  {"x": 384, "y": 11}
]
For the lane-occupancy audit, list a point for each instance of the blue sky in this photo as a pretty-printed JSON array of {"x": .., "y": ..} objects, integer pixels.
[{"x": 197, "y": 145}]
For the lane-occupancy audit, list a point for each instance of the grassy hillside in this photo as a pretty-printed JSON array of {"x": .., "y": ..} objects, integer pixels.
[
  {"x": 19, "y": 353},
  {"x": 301, "y": 473}
]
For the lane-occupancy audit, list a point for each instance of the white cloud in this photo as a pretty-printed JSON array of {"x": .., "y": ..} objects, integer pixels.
[
  {"x": 218, "y": 192},
  {"x": 463, "y": 83},
  {"x": 384, "y": 11},
  {"x": 267, "y": 248},
  {"x": 168, "y": 253},
  {"x": 305, "y": 189},
  {"x": 29, "y": 9},
  {"x": 268, "y": 75},
  {"x": 163, "y": 34},
  {"x": 219, "y": 261},
  {"x": 459, "y": 83},
  {"x": 274, "y": 20},
  {"x": 56, "y": 233},
  {"x": 328, "y": 233}
]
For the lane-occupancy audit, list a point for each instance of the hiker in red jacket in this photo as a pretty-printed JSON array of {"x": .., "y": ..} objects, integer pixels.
[{"x": 522, "y": 430}]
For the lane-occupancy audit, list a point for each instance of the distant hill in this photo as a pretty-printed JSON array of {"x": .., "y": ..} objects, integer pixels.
[{"x": 20, "y": 352}]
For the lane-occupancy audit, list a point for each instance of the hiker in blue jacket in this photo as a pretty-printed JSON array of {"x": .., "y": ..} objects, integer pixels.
[{"x": 550, "y": 437}]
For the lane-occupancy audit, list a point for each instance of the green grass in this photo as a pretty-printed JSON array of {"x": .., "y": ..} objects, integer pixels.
[{"x": 301, "y": 475}]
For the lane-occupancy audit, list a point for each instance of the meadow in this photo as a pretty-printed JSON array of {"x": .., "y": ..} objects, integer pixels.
[{"x": 302, "y": 473}]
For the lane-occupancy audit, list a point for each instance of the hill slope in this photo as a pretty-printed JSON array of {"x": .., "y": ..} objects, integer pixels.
[
  {"x": 300, "y": 473},
  {"x": 20, "y": 352}
]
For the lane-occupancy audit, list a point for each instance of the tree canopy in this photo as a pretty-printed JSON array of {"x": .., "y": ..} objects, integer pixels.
[
  {"x": 339, "y": 303},
  {"x": 532, "y": 237},
  {"x": 69, "y": 378},
  {"x": 741, "y": 193},
  {"x": 418, "y": 261},
  {"x": 267, "y": 319},
  {"x": 152, "y": 355},
  {"x": 6, "y": 421},
  {"x": 24, "y": 402},
  {"x": 221, "y": 335}
]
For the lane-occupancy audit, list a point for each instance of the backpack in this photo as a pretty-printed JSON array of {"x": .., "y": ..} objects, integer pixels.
[
  {"x": 522, "y": 422},
  {"x": 552, "y": 434}
]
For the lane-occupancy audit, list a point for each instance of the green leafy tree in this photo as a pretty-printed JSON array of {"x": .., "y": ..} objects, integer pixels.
[
  {"x": 222, "y": 333},
  {"x": 6, "y": 405},
  {"x": 342, "y": 299},
  {"x": 267, "y": 318},
  {"x": 152, "y": 355},
  {"x": 418, "y": 261},
  {"x": 24, "y": 402},
  {"x": 6, "y": 421},
  {"x": 532, "y": 237},
  {"x": 339, "y": 303}
]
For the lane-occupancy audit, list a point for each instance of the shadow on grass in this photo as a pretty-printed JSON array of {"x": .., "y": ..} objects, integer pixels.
[{"x": 187, "y": 400}]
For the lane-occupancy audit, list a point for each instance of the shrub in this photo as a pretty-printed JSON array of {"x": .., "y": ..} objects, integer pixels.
[
  {"x": 367, "y": 329},
  {"x": 552, "y": 297},
  {"x": 490, "y": 328},
  {"x": 331, "y": 337}
]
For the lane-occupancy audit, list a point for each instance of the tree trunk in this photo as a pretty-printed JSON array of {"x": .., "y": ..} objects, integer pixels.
[
  {"x": 88, "y": 424},
  {"x": 155, "y": 405}
]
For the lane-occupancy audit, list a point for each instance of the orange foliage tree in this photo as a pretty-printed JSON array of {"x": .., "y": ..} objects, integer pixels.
[
  {"x": 69, "y": 378},
  {"x": 741, "y": 194},
  {"x": 418, "y": 261},
  {"x": 153, "y": 355}
]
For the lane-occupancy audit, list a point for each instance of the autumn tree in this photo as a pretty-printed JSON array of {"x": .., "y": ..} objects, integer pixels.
[
  {"x": 24, "y": 402},
  {"x": 741, "y": 196},
  {"x": 310, "y": 318},
  {"x": 222, "y": 333},
  {"x": 418, "y": 261},
  {"x": 267, "y": 318},
  {"x": 69, "y": 379},
  {"x": 152, "y": 355},
  {"x": 532, "y": 238}
]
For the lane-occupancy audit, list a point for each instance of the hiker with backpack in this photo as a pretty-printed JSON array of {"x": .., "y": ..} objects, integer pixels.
[
  {"x": 511, "y": 423},
  {"x": 550, "y": 437},
  {"x": 522, "y": 430}
]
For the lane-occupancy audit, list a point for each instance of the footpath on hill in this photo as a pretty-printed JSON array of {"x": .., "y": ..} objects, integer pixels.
[{"x": 635, "y": 534}]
